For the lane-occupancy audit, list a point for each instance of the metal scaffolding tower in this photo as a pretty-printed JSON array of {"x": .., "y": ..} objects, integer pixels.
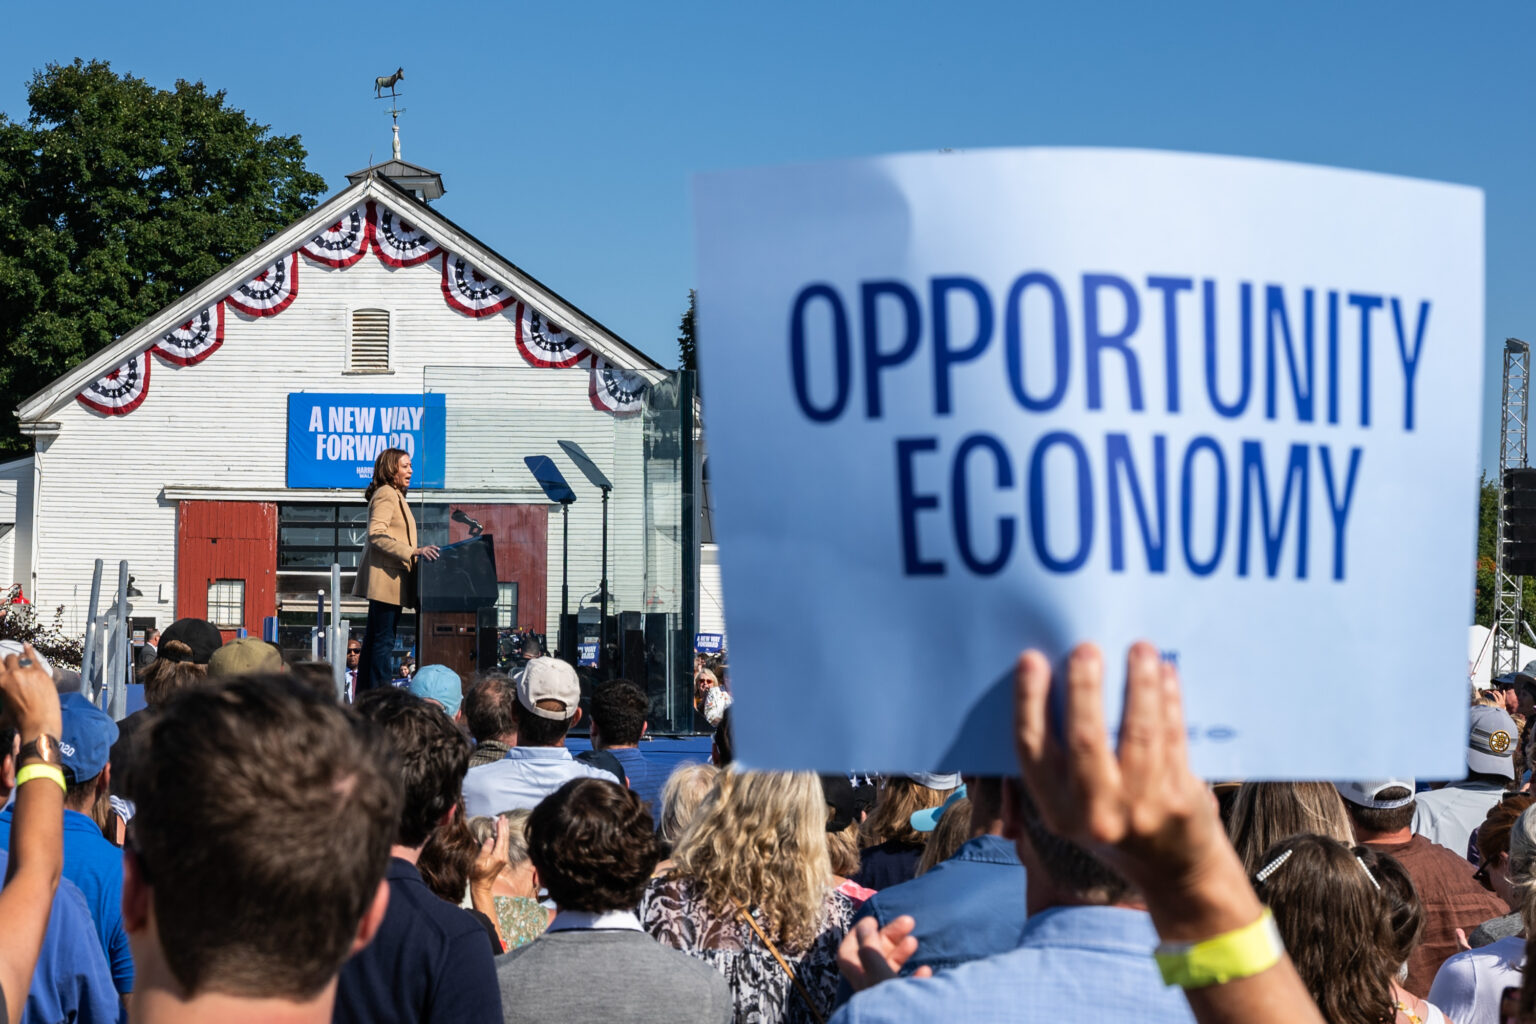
[{"x": 1512, "y": 455}]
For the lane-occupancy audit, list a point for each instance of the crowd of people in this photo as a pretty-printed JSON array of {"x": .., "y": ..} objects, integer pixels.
[
  {"x": 250, "y": 847},
  {"x": 437, "y": 853}
]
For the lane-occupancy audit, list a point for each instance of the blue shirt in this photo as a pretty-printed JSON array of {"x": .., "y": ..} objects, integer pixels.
[
  {"x": 1072, "y": 963},
  {"x": 523, "y": 778},
  {"x": 646, "y": 777},
  {"x": 428, "y": 962},
  {"x": 96, "y": 866},
  {"x": 71, "y": 981},
  {"x": 968, "y": 907}
]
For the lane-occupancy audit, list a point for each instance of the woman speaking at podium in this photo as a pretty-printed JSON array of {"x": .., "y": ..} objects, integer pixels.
[{"x": 386, "y": 572}]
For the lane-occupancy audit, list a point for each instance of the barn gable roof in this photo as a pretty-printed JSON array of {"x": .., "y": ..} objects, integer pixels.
[{"x": 452, "y": 238}]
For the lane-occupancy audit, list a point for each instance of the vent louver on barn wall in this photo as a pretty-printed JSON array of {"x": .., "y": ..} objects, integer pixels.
[{"x": 370, "y": 340}]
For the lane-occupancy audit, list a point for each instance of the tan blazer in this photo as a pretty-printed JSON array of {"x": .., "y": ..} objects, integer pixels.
[{"x": 390, "y": 552}]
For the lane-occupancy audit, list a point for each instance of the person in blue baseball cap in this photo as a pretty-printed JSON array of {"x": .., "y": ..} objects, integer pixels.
[
  {"x": 927, "y": 819},
  {"x": 442, "y": 686},
  {"x": 91, "y": 860}
]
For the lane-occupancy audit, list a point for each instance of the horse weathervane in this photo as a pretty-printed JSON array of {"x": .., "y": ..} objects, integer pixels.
[{"x": 387, "y": 82}]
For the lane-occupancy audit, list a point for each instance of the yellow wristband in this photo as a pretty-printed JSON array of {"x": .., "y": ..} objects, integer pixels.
[
  {"x": 41, "y": 771},
  {"x": 1249, "y": 950}
]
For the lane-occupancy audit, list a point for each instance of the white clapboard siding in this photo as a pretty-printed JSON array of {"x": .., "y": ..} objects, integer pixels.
[
  {"x": 8, "y": 528},
  {"x": 711, "y": 599},
  {"x": 223, "y": 424},
  {"x": 497, "y": 416}
]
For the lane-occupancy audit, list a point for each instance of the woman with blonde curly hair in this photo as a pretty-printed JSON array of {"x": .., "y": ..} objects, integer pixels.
[{"x": 751, "y": 895}]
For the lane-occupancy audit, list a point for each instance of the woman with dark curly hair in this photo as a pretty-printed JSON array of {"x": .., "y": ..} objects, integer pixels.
[{"x": 593, "y": 845}]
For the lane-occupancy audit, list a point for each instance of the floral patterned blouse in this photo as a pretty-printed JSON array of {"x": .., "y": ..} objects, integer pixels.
[
  {"x": 674, "y": 911},
  {"x": 521, "y": 919}
]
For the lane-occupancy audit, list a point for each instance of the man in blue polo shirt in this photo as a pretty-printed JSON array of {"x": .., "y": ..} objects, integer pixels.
[
  {"x": 90, "y": 860},
  {"x": 429, "y": 960},
  {"x": 969, "y": 906},
  {"x": 619, "y": 710}
]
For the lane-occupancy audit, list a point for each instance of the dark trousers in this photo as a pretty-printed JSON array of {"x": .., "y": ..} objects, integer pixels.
[{"x": 375, "y": 663}]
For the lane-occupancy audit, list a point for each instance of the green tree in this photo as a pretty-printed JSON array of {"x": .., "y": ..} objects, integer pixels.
[
  {"x": 115, "y": 197},
  {"x": 687, "y": 355},
  {"x": 1487, "y": 549}
]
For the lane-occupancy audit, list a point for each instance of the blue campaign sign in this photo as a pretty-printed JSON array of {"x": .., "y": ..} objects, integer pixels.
[
  {"x": 333, "y": 439},
  {"x": 586, "y": 654},
  {"x": 980, "y": 402},
  {"x": 708, "y": 643}
]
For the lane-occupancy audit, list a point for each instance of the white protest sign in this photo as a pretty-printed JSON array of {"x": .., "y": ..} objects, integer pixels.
[{"x": 960, "y": 405}]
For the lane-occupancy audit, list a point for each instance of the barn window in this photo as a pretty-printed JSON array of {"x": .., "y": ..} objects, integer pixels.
[
  {"x": 506, "y": 605},
  {"x": 226, "y": 603},
  {"x": 368, "y": 351}
]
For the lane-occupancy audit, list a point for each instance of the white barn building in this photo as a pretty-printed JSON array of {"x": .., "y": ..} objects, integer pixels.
[{"x": 221, "y": 446}]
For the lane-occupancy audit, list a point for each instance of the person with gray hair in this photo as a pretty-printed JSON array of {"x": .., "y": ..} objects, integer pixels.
[
  {"x": 510, "y": 897},
  {"x": 1468, "y": 985},
  {"x": 684, "y": 790}
]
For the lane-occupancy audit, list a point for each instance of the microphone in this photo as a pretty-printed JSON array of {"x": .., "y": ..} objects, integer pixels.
[{"x": 475, "y": 529}]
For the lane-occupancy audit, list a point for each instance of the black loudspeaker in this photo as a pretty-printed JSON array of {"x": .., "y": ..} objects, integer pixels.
[
  {"x": 656, "y": 635},
  {"x": 566, "y": 642},
  {"x": 1519, "y": 514},
  {"x": 634, "y": 657}
]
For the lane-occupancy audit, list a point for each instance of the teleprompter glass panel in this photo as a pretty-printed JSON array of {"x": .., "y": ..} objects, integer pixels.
[{"x": 637, "y": 429}]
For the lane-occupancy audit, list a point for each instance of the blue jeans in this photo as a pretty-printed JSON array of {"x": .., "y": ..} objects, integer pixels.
[{"x": 375, "y": 665}]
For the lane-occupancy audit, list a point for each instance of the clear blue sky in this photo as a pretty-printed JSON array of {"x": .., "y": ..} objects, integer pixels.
[{"x": 566, "y": 132}]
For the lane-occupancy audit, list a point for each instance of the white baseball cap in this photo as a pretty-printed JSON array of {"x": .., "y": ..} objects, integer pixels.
[
  {"x": 1367, "y": 793},
  {"x": 935, "y": 780},
  {"x": 549, "y": 678}
]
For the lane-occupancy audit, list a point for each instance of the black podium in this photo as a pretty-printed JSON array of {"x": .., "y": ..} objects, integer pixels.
[{"x": 456, "y": 607}]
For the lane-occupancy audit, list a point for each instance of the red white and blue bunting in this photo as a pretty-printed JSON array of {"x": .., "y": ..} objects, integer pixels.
[
  {"x": 398, "y": 241},
  {"x": 545, "y": 343},
  {"x": 195, "y": 340},
  {"x": 269, "y": 292},
  {"x": 121, "y": 391},
  {"x": 344, "y": 242},
  {"x": 471, "y": 291},
  {"x": 616, "y": 391}
]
